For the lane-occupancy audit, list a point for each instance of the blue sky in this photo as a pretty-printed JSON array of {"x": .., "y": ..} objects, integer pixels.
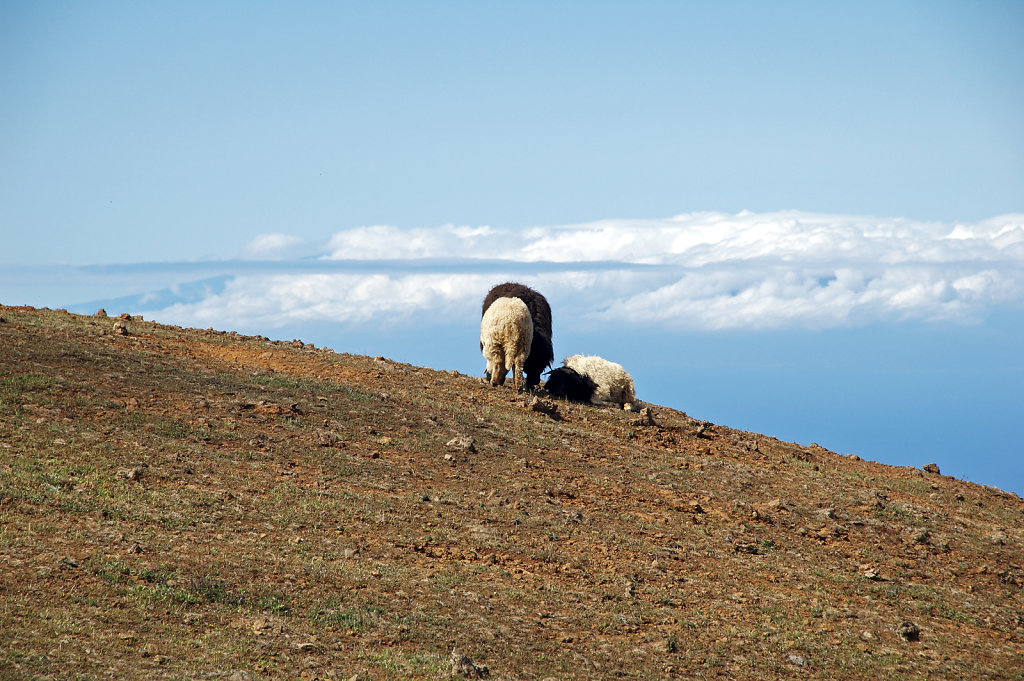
[{"x": 804, "y": 219}]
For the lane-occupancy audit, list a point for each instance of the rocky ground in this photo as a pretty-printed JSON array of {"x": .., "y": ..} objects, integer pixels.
[{"x": 177, "y": 503}]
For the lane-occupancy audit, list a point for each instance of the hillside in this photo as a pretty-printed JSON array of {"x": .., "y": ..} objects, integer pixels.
[{"x": 178, "y": 503}]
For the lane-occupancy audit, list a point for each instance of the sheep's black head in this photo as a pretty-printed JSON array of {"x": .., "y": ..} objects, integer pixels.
[{"x": 570, "y": 384}]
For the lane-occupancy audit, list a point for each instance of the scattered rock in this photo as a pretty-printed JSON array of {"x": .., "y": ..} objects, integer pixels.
[
  {"x": 645, "y": 418},
  {"x": 462, "y": 443},
  {"x": 261, "y": 441},
  {"x": 869, "y": 572},
  {"x": 464, "y": 667},
  {"x": 329, "y": 438},
  {"x": 999, "y": 537},
  {"x": 918, "y": 535},
  {"x": 909, "y": 632},
  {"x": 746, "y": 548},
  {"x": 131, "y": 474},
  {"x": 931, "y": 468},
  {"x": 543, "y": 406}
]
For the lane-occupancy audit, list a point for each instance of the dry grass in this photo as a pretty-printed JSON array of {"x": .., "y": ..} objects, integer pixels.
[{"x": 190, "y": 504}]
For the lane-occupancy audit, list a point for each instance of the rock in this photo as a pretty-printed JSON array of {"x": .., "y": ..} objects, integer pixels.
[
  {"x": 100, "y": 313},
  {"x": 543, "y": 406},
  {"x": 464, "y": 667},
  {"x": 798, "y": 660},
  {"x": 999, "y": 537},
  {"x": 120, "y": 328},
  {"x": 909, "y": 632},
  {"x": 329, "y": 438},
  {"x": 125, "y": 316},
  {"x": 931, "y": 468},
  {"x": 132, "y": 474},
  {"x": 645, "y": 417},
  {"x": 240, "y": 676},
  {"x": 868, "y": 572},
  {"x": 746, "y": 548},
  {"x": 462, "y": 443}
]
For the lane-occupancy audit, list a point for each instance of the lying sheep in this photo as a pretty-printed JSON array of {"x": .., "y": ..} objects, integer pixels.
[
  {"x": 592, "y": 379},
  {"x": 506, "y": 335},
  {"x": 541, "y": 353}
]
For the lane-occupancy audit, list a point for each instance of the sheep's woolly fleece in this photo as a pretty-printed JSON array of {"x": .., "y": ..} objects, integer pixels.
[
  {"x": 506, "y": 334},
  {"x": 614, "y": 384},
  {"x": 541, "y": 352}
]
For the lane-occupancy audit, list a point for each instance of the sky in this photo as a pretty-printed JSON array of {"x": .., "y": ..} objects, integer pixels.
[{"x": 803, "y": 219}]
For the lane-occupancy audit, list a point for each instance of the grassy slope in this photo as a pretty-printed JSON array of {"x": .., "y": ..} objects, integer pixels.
[{"x": 188, "y": 504}]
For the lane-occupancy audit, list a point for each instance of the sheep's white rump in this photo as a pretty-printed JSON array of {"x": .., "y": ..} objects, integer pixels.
[
  {"x": 506, "y": 335},
  {"x": 614, "y": 384}
]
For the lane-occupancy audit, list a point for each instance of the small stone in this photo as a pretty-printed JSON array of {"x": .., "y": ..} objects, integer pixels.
[
  {"x": 131, "y": 474},
  {"x": 999, "y": 537},
  {"x": 543, "y": 406},
  {"x": 329, "y": 438},
  {"x": 462, "y": 443},
  {"x": 909, "y": 632},
  {"x": 931, "y": 468},
  {"x": 868, "y": 572},
  {"x": 645, "y": 417},
  {"x": 798, "y": 660},
  {"x": 464, "y": 667}
]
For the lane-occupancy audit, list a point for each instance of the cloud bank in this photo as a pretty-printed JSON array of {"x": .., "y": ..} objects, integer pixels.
[{"x": 700, "y": 271}]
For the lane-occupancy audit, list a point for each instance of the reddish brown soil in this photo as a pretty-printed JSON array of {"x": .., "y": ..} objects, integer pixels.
[{"x": 191, "y": 504}]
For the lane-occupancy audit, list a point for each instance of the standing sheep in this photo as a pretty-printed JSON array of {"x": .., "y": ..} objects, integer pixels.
[
  {"x": 506, "y": 334},
  {"x": 541, "y": 353},
  {"x": 592, "y": 379}
]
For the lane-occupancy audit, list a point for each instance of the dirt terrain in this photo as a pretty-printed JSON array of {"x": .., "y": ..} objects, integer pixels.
[{"x": 187, "y": 504}]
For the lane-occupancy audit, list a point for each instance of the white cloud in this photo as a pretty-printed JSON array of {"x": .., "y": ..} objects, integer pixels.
[
  {"x": 699, "y": 271},
  {"x": 272, "y": 247}
]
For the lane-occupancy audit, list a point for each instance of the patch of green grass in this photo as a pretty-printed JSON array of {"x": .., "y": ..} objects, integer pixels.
[{"x": 331, "y": 614}]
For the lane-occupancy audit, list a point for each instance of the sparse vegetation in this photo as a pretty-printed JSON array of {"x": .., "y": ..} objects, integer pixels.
[{"x": 191, "y": 504}]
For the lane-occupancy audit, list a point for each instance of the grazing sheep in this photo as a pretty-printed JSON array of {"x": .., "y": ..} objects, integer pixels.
[
  {"x": 541, "y": 352},
  {"x": 592, "y": 379},
  {"x": 506, "y": 334},
  {"x": 570, "y": 384}
]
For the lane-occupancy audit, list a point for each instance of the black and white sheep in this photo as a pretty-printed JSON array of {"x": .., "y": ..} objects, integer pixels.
[
  {"x": 594, "y": 380},
  {"x": 541, "y": 353},
  {"x": 506, "y": 335}
]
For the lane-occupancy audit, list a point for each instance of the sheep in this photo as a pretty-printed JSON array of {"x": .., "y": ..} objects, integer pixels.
[
  {"x": 541, "y": 353},
  {"x": 592, "y": 379},
  {"x": 506, "y": 335},
  {"x": 570, "y": 384}
]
